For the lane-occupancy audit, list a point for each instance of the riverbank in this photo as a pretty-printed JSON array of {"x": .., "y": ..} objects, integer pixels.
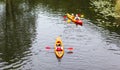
[
  {"x": 117, "y": 8},
  {"x": 107, "y": 14}
]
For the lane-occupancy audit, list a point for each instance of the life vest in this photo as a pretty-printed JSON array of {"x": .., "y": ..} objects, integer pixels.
[
  {"x": 77, "y": 18},
  {"x": 59, "y": 49}
]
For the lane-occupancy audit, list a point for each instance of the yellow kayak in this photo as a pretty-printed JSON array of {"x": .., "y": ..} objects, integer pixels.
[
  {"x": 70, "y": 17},
  {"x": 59, "y": 48},
  {"x": 77, "y": 22}
]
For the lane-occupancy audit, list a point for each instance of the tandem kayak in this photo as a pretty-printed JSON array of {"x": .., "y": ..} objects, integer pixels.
[
  {"x": 77, "y": 22},
  {"x": 59, "y": 48}
]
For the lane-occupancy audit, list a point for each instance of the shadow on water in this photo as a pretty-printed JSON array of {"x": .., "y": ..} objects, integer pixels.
[{"x": 70, "y": 52}]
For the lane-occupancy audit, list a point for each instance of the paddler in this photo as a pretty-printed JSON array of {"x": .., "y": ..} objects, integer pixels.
[
  {"x": 77, "y": 17},
  {"x": 58, "y": 46}
]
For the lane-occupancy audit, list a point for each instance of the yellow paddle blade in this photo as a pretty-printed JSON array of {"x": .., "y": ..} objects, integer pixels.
[
  {"x": 68, "y": 21},
  {"x": 82, "y": 16}
]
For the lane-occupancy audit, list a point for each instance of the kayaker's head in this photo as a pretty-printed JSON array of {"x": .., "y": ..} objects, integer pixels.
[
  {"x": 76, "y": 15},
  {"x": 72, "y": 14},
  {"x": 58, "y": 43}
]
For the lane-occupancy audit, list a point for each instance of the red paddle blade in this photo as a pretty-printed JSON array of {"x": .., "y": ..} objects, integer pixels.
[
  {"x": 47, "y": 47},
  {"x": 70, "y": 49},
  {"x": 64, "y": 16},
  {"x": 79, "y": 15}
]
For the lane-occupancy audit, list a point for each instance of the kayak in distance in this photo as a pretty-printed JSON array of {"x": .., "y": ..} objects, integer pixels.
[{"x": 72, "y": 18}]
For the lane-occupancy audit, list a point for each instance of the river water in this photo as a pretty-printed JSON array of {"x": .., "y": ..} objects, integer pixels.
[{"x": 24, "y": 36}]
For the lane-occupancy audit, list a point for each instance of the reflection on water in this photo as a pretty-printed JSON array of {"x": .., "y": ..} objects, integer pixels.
[
  {"x": 18, "y": 30},
  {"x": 28, "y": 26}
]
